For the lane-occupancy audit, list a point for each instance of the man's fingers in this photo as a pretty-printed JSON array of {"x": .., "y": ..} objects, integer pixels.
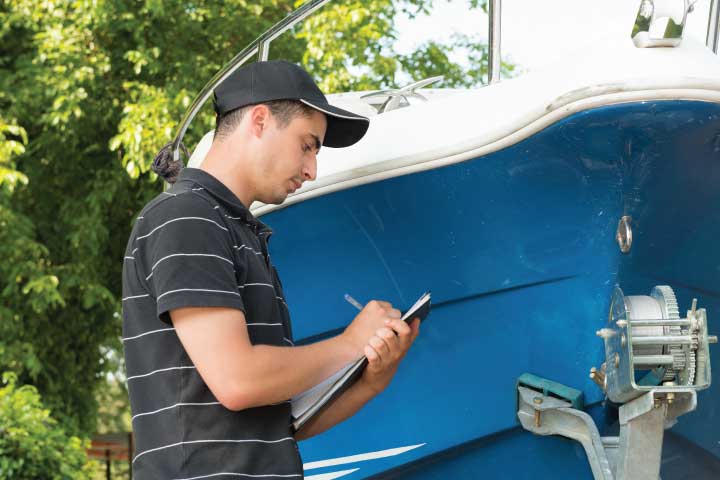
[
  {"x": 390, "y": 339},
  {"x": 383, "y": 303},
  {"x": 399, "y": 326},
  {"x": 386, "y": 333},
  {"x": 374, "y": 361},
  {"x": 415, "y": 326},
  {"x": 379, "y": 345}
]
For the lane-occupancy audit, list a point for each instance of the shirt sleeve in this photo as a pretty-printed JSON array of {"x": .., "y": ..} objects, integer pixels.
[{"x": 190, "y": 258}]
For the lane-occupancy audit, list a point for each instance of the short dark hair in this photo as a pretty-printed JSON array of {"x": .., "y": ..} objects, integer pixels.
[{"x": 284, "y": 112}]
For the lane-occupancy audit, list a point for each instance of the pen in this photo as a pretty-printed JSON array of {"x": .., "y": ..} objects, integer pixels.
[{"x": 353, "y": 302}]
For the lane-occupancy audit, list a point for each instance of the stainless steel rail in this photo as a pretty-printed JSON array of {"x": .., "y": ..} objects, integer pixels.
[
  {"x": 713, "y": 32},
  {"x": 494, "y": 16}
]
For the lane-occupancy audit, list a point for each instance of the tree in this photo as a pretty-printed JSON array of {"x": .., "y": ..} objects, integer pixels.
[
  {"x": 89, "y": 92},
  {"x": 32, "y": 445}
]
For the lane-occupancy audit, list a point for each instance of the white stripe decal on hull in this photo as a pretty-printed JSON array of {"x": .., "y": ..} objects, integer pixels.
[
  {"x": 331, "y": 475},
  {"x": 361, "y": 457}
]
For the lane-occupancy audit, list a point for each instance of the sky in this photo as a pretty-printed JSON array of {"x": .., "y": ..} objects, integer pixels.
[{"x": 536, "y": 33}]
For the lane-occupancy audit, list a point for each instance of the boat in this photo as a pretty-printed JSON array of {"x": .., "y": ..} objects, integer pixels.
[{"x": 567, "y": 224}]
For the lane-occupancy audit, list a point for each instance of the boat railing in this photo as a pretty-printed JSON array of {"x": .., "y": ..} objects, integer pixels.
[
  {"x": 494, "y": 25},
  {"x": 713, "y": 33}
]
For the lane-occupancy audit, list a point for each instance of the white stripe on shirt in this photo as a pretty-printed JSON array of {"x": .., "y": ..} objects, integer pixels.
[
  {"x": 178, "y": 219},
  {"x": 256, "y": 285},
  {"x": 196, "y": 290},
  {"x": 158, "y": 371},
  {"x": 208, "y": 441},
  {"x": 246, "y": 475},
  {"x": 174, "y": 406},
  {"x": 187, "y": 255},
  {"x": 147, "y": 333},
  {"x": 247, "y": 248},
  {"x": 136, "y": 296}
]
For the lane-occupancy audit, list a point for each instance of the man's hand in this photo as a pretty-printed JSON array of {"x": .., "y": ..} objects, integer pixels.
[
  {"x": 374, "y": 316},
  {"x": 384, "y": 351}
]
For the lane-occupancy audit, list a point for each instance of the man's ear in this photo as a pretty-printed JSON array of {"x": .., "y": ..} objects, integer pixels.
[{"x": 259, "y": 117}]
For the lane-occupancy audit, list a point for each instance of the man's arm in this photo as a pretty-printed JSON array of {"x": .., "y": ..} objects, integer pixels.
[
  {"x": 242, "y": 375},
  {"x": 385, "y": 350}
]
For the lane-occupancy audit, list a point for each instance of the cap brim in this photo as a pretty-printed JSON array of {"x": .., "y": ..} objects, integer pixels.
[{"x": 343, "y": 128}]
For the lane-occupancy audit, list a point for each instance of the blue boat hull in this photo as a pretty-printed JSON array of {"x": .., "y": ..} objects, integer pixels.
[{"x": 518, "y": 248}]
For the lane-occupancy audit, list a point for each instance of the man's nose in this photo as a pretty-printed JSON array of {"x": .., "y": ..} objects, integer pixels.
[{"x": 310, "y": 168}]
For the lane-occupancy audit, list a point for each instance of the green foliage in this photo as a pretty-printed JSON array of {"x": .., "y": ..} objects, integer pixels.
[
  {"x": 65, "y": 207},
  {"x": 89, "y": 92},
  {"x": 32, "y": 445},
  {"x": 350, "y": 47},
  {"x": 13, "y": 139}
]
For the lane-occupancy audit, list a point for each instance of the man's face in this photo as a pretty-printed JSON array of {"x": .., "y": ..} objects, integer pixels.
[{"x": 288, "y": 156}]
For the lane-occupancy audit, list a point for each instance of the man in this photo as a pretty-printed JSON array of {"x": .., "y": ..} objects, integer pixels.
[{"x": 206, "y": 330}]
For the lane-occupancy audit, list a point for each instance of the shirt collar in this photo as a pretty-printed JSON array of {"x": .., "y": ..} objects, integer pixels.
[{"x": 224, "y": 195}]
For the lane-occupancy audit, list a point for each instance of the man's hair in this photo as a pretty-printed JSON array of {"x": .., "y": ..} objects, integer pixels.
[{"x": 284, "y": 111}]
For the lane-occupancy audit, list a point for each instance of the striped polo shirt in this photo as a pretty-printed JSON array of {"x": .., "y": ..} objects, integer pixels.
[{"x": 197, "y": 245}]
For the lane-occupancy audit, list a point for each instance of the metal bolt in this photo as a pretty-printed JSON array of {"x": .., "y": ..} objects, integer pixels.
[
  {"x": 624, "y": 234},
  {"x": 605, "y": 333},
  {"x": 537, "y": 401},
  {"x": 598, "y": 377},
  {"x": 623, "y": 340},
  {"x": 670, "y": 396},
  {"x": 621, "y": 323},
  {"x": 617, "y": 360},
  {"x": 694, "y": 306},
  {"x": 712, "y": 338}
]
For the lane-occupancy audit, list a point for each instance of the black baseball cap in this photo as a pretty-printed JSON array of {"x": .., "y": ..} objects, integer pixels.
[{"x": 280, "y": 80}]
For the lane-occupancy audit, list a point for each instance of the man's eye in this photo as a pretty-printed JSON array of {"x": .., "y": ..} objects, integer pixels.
[{"x": 306, "y": 148}]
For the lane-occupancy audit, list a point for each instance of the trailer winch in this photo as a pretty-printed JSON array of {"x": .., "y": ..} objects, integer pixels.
[{"x": 655, "y": 362}]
